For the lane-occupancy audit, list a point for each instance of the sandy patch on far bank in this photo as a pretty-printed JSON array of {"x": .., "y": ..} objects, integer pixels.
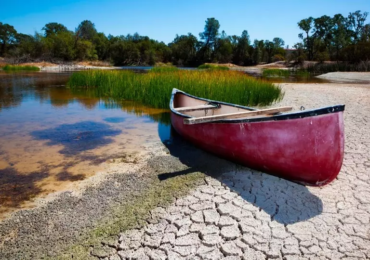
[{"x": 360, "y": 77}]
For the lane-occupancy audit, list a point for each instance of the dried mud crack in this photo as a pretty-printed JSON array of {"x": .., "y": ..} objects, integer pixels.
[{"x": 191, "y": 205}]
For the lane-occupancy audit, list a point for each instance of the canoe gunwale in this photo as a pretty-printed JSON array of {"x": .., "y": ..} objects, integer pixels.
[{"x": 286, "y": 116}]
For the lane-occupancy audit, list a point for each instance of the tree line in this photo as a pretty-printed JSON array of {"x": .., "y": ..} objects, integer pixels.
[
  {"x": 57, "y": 43},
  {"x": 323, "y": 38},
  {"x": 336, "y": 38}
]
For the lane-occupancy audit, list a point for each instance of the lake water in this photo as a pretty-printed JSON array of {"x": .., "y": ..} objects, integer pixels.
[{"x": 51, "y": 138}]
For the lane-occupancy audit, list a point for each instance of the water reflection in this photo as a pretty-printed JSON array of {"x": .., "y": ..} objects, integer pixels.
[
  {"x": 52, "y": 138},
  {"x": 16, "y": 187},
  {"x": 77, "y": 137},
  {"x": 114, "y": 119},
  {"x": 293, "y": 79}
]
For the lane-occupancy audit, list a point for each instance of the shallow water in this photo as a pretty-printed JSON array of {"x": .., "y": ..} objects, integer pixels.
[
  {"x": 50, "y": 138},
  {"x": 294, "y": 79}
]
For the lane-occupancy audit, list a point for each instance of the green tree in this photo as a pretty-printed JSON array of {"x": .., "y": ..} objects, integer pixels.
[
  {"x": 306, "y": 26},
  {"x": 210, "y": 33},
  {"x": 241, "y": 50},
  {"x": 278, "y": 42},
  {"x": 258, "y": 47},
  {"x": 86, "y": 30},
  {"x": 124, "y": 52},
  {"x": 208, "y": 37},
  {"x": 270, "y": 48},
  {"x": 60, "y": 46},
  {"x": 184, "y": 50},
  {"x": 223, "y": 49},
  {"x": 340, "y": 35},
  {"x": 102, "y": 45},
  {"x": 7, "y": 36},
  {"x": 356, "y": 22},
  {"x": 53, "y": 28},
  {"x": 85, "y": 51}
]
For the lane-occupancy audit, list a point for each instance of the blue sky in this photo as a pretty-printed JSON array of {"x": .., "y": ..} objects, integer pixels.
[{"x": 163, "y": 19}]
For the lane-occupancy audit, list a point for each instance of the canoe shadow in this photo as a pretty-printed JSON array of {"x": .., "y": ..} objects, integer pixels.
[{"x": 286, "y": 202}]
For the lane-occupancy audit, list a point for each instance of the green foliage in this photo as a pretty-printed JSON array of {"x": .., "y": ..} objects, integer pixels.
[
  {"x": 213, "y": 67},
  {"x": 278, "y": 57},
  {"x": 334, "y": 38},
  {"x": 154, "y": 88},
  {"x": 86, "y": 30},
  {"x": 20, "y": 68},
  {"x": 210, "y": 33},
  {"x": 282, "y": 73},
  {"x": 60, "y": 45},
  {"x": 223, "y": 49},
  {"x": 85, "y": 50},
  {"x": 137, "y": 50},
  {"x": 7, "y": 36},
  {"x": 163, "y": 69},
  {"x": 184, "y": 50},
  {"x": 342, "y": 66},
  {"x": 276, "y": 73},
  {"x": 323, "y": 38},
  {"x": 53, "y": 28},
  {"x": 241, "y": 50}
]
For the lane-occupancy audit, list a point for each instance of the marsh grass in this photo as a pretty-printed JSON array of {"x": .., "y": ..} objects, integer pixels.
[
  {"x": 20, "y": 68},
  {"x": 154, "y": 88},
  {"x": 279, "y": 73},
  {"x": 276, "y": 73},
  {"x": 163, "y": 69},
  {"x": 213, "y": 67},
  {"x": 343, "y": 66}
]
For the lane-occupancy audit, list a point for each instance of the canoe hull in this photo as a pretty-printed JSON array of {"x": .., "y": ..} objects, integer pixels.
[{"x": 306, "y": 150}]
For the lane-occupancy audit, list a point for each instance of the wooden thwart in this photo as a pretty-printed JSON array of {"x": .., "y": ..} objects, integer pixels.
[
  {"x": 194, "y": 108},
  {"x": 206, "y": 119}
]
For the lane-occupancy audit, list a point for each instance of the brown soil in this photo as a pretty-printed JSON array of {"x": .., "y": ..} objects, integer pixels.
[{"x": 38, "y": 64}]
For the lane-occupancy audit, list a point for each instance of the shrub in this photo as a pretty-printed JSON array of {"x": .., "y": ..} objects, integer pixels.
[
  {"x": 212, "y": 67},
  {"x": 20, "y": 68}
]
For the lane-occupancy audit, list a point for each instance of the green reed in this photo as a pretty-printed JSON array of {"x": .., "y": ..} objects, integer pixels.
[
  {"x": 276, "y": 73},
  {"x": 163, "y": 69},
  {"x": 154, "y": 88},
  {"x": 20, "y": 68},
  {"x": 321, "y": 68},
  {"x": 213, "y": 67}
]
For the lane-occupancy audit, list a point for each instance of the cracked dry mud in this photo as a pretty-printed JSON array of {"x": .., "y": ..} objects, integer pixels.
[{"x": 245, "y": 214}]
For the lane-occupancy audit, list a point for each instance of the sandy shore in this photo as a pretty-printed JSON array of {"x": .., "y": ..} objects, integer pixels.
[
  {"x": 235, "y": 213},
  {"x": 347, "y": 77},
  {"x": 57, "y": 68}
]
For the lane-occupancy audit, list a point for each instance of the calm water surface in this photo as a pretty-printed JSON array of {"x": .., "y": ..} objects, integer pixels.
[{"x": 50, "y": 138}]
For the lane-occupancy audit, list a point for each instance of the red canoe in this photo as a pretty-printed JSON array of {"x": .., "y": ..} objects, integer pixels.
[{"x": 305, "y": 146}]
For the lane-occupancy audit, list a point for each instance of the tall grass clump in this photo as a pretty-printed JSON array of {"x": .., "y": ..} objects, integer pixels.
[
  {"x": 154, "y": 88},
  {"x": 267, "y": 73},
  {"x": 279, "y": 73},
  {"x": 163, "y": 69},
  {"x": 213, "y": 67},
  {"x": 20, "y": 68}
]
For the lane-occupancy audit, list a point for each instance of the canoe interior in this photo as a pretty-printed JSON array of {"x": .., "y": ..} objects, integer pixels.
[{"x": 182, "y": 100}]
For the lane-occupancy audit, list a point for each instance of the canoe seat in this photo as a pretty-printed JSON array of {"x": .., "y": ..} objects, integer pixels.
[
  {"x": 246, "y": 114},
  {"x": 195, "y": 108}
]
